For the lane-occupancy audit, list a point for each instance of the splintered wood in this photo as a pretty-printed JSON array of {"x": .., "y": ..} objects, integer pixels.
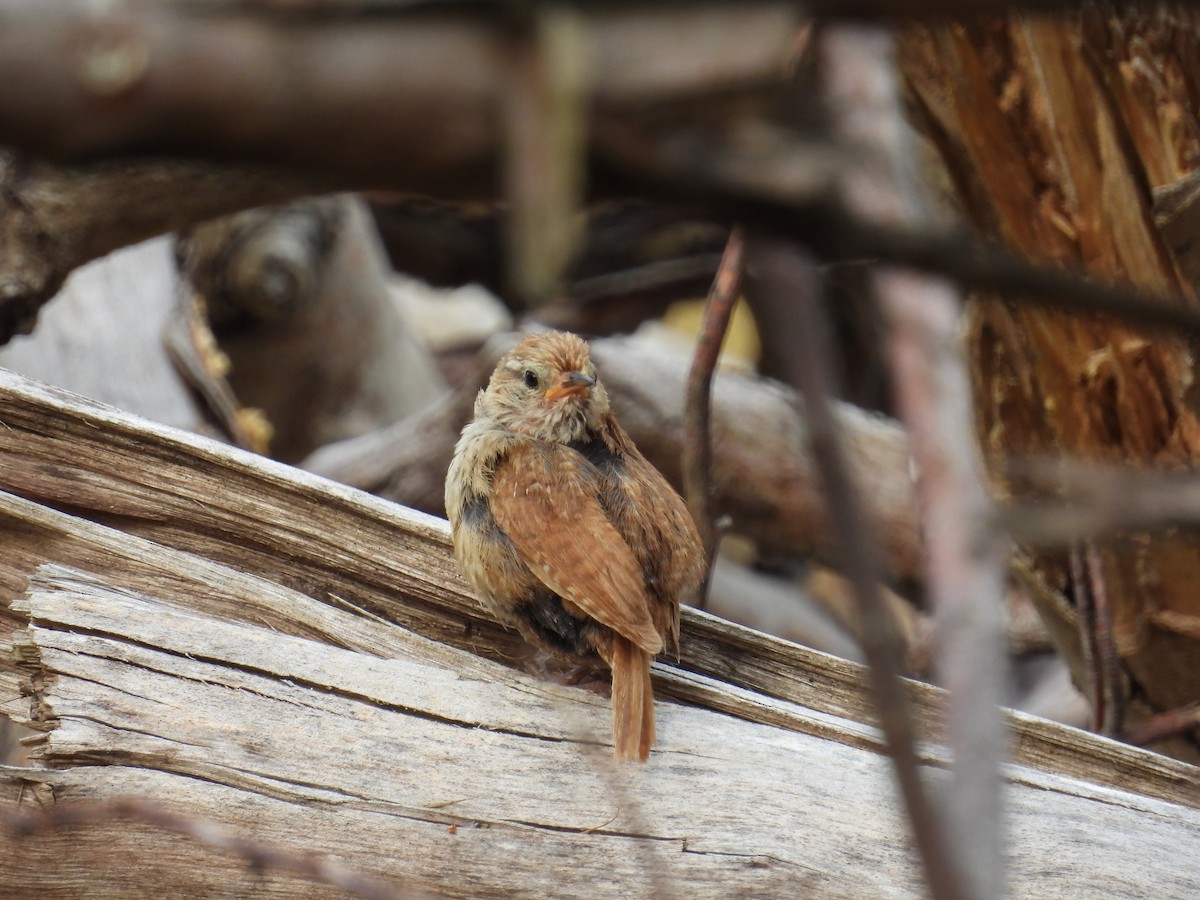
[
  {"x": 373, "y": 760},
  {"x": 1055, "y": 133}
]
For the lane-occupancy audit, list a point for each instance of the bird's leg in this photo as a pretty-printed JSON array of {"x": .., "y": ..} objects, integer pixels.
[{"x": 591, "y": 675}]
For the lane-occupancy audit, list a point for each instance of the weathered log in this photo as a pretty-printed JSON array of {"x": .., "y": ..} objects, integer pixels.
[
  {"x": 394, "y": 765},
  {"x": 350, "y": 551},
  {"x": 270, "y": 695}
]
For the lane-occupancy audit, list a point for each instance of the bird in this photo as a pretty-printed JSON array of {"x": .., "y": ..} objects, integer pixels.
[{"x": 566, "y": 532}]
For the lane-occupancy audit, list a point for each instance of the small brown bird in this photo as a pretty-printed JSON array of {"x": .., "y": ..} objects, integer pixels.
[{"x": 566, "y": 531}]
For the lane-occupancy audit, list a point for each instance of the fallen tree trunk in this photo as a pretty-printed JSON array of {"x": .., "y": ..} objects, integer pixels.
[
  {"x": 347, "y": 550},
  {"x": 261, "y": 682},
  {"x": 438, "y": 769}
]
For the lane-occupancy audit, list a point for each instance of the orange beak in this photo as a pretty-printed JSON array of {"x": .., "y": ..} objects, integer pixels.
[{"x": 572, "y": 384}]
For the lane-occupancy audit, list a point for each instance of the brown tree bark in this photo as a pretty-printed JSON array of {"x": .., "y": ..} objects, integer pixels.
[{"x": 1054, "y": 134}]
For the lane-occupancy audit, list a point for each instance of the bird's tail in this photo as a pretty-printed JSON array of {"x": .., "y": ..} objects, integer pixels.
[{"x": 632, "y": 701}]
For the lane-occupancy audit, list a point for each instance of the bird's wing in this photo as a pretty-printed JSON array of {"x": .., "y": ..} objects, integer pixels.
[{"x": 544, "y": 498}]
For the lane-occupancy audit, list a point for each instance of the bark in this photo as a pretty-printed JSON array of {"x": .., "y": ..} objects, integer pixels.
[{"x": 1055, "y": 132}]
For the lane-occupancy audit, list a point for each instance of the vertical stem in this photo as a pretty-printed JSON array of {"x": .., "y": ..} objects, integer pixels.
[
  {"x": 964, "y": 575},
  {"x": 545, "y": 125},
  {"x": 697, "y": 425},
  {"x": 964, "y": 571},
  {"x": 1087, "y": 635},
  {"x": 1110, "y": 711}
]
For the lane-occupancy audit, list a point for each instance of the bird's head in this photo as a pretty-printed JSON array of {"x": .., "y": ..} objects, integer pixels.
[{"x": 546, "y": 388}]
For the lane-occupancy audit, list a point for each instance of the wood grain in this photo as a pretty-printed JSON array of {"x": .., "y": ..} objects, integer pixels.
[
  {"x": 439, "y": 770},
  {"x": 1054, "y": 133},
  {"x": 348, "y": 559}
]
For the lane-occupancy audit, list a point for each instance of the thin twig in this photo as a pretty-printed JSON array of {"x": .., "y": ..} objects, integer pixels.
[
  {"x": 697, "y": 421},
  {"x": 833, "y": 231},
  {"x": 785, "y": 279},
  {"x": 208, "y": 833},
  {"x": 1095, "y": 499},
  {"x": 982, "y": 267},
  {"x": 1106, "y": 688},
  {"x": 674, "y": 276},
  {"x": 964, "y": 574}
]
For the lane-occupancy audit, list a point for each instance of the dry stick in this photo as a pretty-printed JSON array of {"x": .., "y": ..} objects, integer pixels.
[
  {"x": 963, "y": 574},
  {"x": 973, "y": 264},
  {"x": 1096, "y": 499},
  {"x": 835, "y": 232},
  {"x": 964, "y": 569},
  {"x": 968, "y": 261},
  {"x": 786, "y": 280},
  {"x": 1107, "y": 687},
  {"x": 697, "y": 426},
  {"x": 209, "y": 834}
]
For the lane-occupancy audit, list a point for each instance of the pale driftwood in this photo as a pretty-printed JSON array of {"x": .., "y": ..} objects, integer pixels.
[
  {"x": 102, "y": 336},
  {"x": 299, "y": 300},
  {"x": 462, "y": 777},
  {"x": 353, "y": 551},
  {"x": 337, "y": 545}
]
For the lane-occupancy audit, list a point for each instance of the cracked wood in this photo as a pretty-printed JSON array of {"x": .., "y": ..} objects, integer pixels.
[{"x": 374, "y": 759}]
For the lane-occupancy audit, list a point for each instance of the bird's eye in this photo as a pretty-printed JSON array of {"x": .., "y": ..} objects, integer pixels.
[{"x": 531, "y": 379}]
